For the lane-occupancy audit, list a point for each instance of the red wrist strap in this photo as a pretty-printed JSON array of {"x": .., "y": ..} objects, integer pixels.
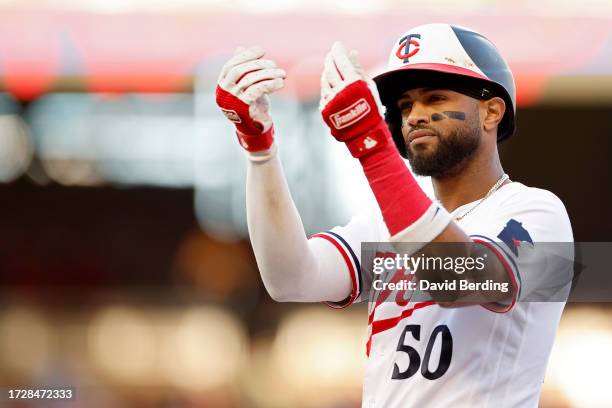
[
  {"x": 369, "y": 142},
  {"x": 256, "y": 143}
]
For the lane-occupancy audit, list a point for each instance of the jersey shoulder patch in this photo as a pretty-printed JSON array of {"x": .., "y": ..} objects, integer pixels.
[{"x": 513, "y": 235}]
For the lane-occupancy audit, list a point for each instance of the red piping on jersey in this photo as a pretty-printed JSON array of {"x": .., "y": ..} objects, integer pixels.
[
  {"x": 352, "y": 273},
  {"x": 510, "y": 272},
  {"x": 383, "y": 298},
  {"x": 380, "y": 326}
]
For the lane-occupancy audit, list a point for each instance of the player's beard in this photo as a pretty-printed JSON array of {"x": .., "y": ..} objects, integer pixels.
[{"x": 452, "y": 152}]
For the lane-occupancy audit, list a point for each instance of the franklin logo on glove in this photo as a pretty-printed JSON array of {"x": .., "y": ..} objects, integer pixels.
[{"x": 348, "y": 116}]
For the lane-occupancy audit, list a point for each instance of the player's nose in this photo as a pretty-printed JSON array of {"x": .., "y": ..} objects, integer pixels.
[{"x": 418, "y": 115}]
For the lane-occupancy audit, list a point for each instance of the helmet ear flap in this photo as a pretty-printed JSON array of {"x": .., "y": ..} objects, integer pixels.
[{"x": 393, "y": 118}]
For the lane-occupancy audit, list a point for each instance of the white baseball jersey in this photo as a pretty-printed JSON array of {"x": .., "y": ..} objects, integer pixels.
[{"x": 423, "y": 355}]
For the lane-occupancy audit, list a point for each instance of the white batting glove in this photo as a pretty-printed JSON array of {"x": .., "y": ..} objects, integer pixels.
[
  {"x": 341, "y": 69},
  {"x": 242, "y": 94},
  {"x": 350, "y": 104}
]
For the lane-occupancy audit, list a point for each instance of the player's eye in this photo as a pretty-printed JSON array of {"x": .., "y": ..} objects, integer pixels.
[
  {"x": 436, "y": 98},
  {"x": 405, "y": 105}
]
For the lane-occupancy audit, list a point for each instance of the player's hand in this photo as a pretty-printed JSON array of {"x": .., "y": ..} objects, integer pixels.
[
  {"x": 350, "y": 104},
  {"x": 242, "y": 94}
]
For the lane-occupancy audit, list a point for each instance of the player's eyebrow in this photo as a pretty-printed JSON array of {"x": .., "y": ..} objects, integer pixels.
[{"x": 407, "y": 99}]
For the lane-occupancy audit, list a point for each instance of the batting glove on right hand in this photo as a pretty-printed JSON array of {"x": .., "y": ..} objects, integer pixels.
[{"x": 242, "y": 94}]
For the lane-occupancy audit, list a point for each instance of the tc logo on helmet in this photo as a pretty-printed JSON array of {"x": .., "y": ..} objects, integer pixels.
[{"x": 403, "y": 51}]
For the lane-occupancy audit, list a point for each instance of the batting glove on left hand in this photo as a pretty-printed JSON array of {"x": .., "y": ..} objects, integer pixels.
[
  {"x": 350, "y": 104},
  {"x": 242, "y": 94}
]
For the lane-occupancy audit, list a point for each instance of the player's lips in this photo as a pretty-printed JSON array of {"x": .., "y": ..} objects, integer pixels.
[{"x": 422, "y": 134}]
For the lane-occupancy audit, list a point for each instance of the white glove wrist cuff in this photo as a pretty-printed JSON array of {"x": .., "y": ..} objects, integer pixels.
[
  {"x": 262, "y": 155},
  {"x": 424, "y": 230}
]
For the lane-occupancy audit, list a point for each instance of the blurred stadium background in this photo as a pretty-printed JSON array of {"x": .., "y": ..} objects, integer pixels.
[{"x": 125, "y": 268}]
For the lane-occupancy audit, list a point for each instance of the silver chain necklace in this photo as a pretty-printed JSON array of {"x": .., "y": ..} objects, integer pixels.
[{"x": 493, "y": 189}]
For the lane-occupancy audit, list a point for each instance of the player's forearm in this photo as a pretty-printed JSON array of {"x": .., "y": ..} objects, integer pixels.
[{"x": 286, "y": 259}]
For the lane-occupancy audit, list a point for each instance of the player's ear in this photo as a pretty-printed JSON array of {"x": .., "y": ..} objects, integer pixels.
[{"x": 494, "y": 110}]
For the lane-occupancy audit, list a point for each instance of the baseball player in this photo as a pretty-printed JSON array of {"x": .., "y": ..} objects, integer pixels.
[{"x": 445, "y": 101}]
